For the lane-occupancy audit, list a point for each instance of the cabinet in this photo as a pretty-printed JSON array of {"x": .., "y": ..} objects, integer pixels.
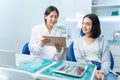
[
  {"x": 115, "y": 49},
  {"x": 106, "y": 8}
]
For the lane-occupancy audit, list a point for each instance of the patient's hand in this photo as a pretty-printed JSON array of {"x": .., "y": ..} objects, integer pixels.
[{"x": 99, "y": 75}]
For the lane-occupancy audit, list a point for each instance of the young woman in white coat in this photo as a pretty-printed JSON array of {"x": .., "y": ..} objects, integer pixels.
[{"x": 37, "y": 44}]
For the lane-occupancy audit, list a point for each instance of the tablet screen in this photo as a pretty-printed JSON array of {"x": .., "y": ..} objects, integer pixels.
[{"x": 55, "y": 39}]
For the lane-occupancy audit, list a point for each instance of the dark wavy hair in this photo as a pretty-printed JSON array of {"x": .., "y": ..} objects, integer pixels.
[{"x": 96, "y": 30}]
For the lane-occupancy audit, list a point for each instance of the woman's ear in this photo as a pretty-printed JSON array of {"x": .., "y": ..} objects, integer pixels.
[{"x": 45, "y": 16}]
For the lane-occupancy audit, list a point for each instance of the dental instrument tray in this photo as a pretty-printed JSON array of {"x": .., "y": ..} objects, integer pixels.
[{"x": 75, "y": 69}]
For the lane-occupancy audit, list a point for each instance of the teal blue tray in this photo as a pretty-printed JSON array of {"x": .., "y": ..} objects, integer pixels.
[
  {"x": 50, "y": 72},
  {"x": 34, "y": 65}
]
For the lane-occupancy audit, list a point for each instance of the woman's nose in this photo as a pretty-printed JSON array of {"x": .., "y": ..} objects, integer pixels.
[
  {"x": 54, "y": 18},
  {"x": 83, "y": 25}
]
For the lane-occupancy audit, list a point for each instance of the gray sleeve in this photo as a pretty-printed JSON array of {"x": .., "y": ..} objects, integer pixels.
[{"x": 105, "y": 64}]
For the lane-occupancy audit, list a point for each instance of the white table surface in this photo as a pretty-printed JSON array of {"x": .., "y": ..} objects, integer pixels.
[{"x": 21, "y": 58}]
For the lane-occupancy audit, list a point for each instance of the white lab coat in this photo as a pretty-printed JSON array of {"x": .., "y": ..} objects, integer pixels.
[{"x": 45, "y": 52}]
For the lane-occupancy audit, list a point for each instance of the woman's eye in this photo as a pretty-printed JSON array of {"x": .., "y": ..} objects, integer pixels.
[{"x": 88, "y": 24}]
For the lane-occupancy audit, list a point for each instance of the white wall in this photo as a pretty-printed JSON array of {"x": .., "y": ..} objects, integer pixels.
[{"x": 17, "y": 17}]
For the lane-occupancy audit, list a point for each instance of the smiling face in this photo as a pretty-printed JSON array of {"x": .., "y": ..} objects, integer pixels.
[
  {"x": 86, "y": 26},
  {"x": 51, "y": 19},
  {"x": 91, "y": 26}
]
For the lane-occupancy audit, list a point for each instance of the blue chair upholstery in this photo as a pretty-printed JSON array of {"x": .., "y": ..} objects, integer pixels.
[
  {"x": 70, "y": 53},
  {"x": 112, "y": 61},
  {"x": 71, "y": 57},
  {"x": 25, "y": 49},
  {"x": 81, "y": 33}
]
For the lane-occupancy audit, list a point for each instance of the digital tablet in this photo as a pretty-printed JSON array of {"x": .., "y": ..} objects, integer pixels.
[{"x": 55, "y": 39}]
